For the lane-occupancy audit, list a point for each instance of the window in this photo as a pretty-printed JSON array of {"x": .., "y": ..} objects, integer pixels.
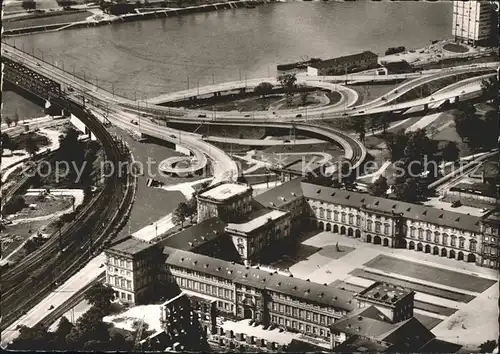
[
  {"x": 343, "y": 217},
  {"x": 473, "y": 245},
  {"x": 351, "y": 219},
  {"x": 445, "y": 239},
  {"x": 428, "y": 236},
  {"x": 219, "y": 304},
  {"x": 386, "y": 229},
  {"x": 301, "y": 327},
  {"x": 129, "y": 284},
  {"x": 308, "y": 328},
  {"x": 336, "y": 215},
  {"x": 322, "y": 332},
  {"x": 129, "y": 297},
  {"x": 412, "y": 232},
  {"x": 358, "y": 220},
  {"x": 329, "y": 214},
  {"x": 315, "y": 317},
  {"x": 295, "y": 312},
  {"x": 369, "y": 225},
  {"x": 436, "y": 237},
  {"x": 461, "y": 242},
  {"x": 377, "y": 227},
  {"x": 420, "y": 234},
  {"x": 274, "y": 306},
  {"x": 294, "y": 324},
  {"x": 453, "y": 241},
  {"x": 280, "y": 320},
  {"x": 321, "y": 213},
  {"x": 282, "y": 308},
  {"x": 288, "y": 310},
  {"x": 302, "y": 313},
  {"x": 273, "y": 318},
  {"x": 287, "y": 323},
  {"x": 308, "y": 315}
]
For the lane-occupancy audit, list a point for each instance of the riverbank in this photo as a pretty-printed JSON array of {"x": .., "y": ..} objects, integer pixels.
[{"x": 96, "y": 17}]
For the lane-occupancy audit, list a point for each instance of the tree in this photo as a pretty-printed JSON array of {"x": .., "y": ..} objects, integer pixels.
[
  {"x": 28, "y": 5},
  {"x": 263, "y": 89},
  {"x": 450, "y": 151},
  {"x": 101, "y": 296},
  {"x": 488, "y": 346},
  {"x": 373, "y": 122},
  {"x": 287, "y": 81},
  {"x": 489, "y": 88},
  {"x": 8, "y": 121},
  {"x": 180, "y": 213},
  {"x": 7, "y": 142},
  {"x": 15, "y": 119},
  {"x": 379, "y": 187},
  {"x": 192, "y": 208},
  {"x": 89, "y": 327},
  {"x": 385, "y": 119},
  {"x": 359, "y": 127},
  {"x": 29, "y": 338},
  {"x": 408, "y": 191},
  {"x": 15, "y": 204},
  {"x": 31, "y": 145}
]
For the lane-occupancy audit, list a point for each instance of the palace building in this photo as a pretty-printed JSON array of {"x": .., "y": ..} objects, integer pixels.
[{"x": 212, "y": 260}]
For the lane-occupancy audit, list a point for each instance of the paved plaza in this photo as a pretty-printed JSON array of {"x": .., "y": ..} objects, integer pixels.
[{"x": 458, "y": 301}]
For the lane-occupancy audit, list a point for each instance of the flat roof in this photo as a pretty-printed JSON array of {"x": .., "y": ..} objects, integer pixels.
[
  {"x": 130, "y": 245},
  {"x": 385, "y": 293},
  {"x": 256, "y": 223},
  {"x": 343, "y": 60},
  {"x": 225, "y": 191}
]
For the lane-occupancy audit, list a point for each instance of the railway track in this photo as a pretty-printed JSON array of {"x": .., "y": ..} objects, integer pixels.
[{"x": 98, "y": 221}]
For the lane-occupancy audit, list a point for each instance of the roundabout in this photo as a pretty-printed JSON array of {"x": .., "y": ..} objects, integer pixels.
[{"x": 181, "y": 166}]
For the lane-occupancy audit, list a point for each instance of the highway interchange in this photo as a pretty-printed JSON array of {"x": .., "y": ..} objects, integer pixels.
[{"x": 122, "y": 113}]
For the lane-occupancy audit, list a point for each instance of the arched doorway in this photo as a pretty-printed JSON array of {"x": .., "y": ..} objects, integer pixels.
[
  {"x": 369, "y": 238},
  {"x": 328, "y": 227},
  {"x": 471, "y": 257},
  {"x": 336, "y": 229},
  {"x": 377, "y": 240},
  {"x": 350, "y": 232},
  {"x": 342, "y": 230},
  {"x": 247, "y": 313},
  {"x": 411, "y": 246},
  {"x": 427, "y": 249},
  {"x": 386, "y": 242},
  {"x": 419, "y": 247},
  {"x": 435, "y": 250},
  {"x": 460, "y": 256},
  {"x": 444, "y": 252},
  {"x": 357, "y": 233},
  {"x": 451, "y": 254},
  {"x": 321, "y": 226},
  {"x": 403, "y": 243}
]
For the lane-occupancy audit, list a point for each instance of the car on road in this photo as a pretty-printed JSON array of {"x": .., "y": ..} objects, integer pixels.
[
  {"x": 70, "y": 89},
  {"x": 173, "y": 136},
  {"x": 286, "y": 141},
  {"x": 38, "y": 64},
  {"x": 484, "y": 210},
  {"x": 344, "y": 114},
  {"x": 298, "y": 116},
  {"x": 456, "y": 204},
  {"x": 247, "y": 115},
  {"x": 361, "y": 111},
  {"x": 202, "y": 115}
]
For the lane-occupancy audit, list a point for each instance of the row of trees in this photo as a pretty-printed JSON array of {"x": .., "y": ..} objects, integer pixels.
[
  {"x": 360, "y": 124},
  {"x": 478, "y": 133}
]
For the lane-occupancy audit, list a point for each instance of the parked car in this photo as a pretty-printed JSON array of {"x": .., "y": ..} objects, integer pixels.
[
  {"x": 361, "y": 111},
  {"x": 456, "y": 204}
]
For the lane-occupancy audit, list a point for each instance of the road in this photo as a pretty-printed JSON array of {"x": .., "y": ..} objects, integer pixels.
[{"x": 61, "y": 295}]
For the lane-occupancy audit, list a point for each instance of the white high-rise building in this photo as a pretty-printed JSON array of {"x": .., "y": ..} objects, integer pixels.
[{"x": 472, "y": 21}]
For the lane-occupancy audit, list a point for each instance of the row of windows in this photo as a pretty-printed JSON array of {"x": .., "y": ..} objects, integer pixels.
[
  {"x": 120, "y": 262},
  {"x": 205, "y": 288},
  {"x": 437, "y": 237},
  {"x": 281, "y": 297},
  {"x": 302, "y": 314},
  {"x": 123, "y": 296},
  {"x": 300, "y": 326},
  {"x": 121, "y": 271},
  {"x": 378, "y": 227},
  {"x": 205, "y": 276},
  {"x": 119, "y": 282}
]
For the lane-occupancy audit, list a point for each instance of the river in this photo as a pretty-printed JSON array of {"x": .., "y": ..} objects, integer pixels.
[{"x": 148, "y": 58}]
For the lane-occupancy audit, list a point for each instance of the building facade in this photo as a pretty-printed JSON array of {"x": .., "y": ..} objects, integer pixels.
[
  {"x": 344, "y": 65},
  {"x": 490, "y": 233},
  {"x": 473, "y": 21},
  {"x": 132, "y": 268},
  {"x": 227, "y": 201},
  {"x": 254, "y": 236}
]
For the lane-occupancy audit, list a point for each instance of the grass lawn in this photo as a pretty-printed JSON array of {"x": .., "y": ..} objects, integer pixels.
[
  {"x": 44, "y": 207},
  {"x": 13, "y": 235},
  {"x": 331, "y": 251},
  {"x": 368, "y": 92},
  {"x": 446, "y": 294},
  {"x": 456, "y": 48},
  {"x": 431, "y": 274}
]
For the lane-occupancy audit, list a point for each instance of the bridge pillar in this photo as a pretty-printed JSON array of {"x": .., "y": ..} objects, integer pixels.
[
  {"x": 216, "y": 94},
  {"x": 243, "y": 90},
  {"x": 426, "y": 107},
  {"x": 457, "y": 99}
]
